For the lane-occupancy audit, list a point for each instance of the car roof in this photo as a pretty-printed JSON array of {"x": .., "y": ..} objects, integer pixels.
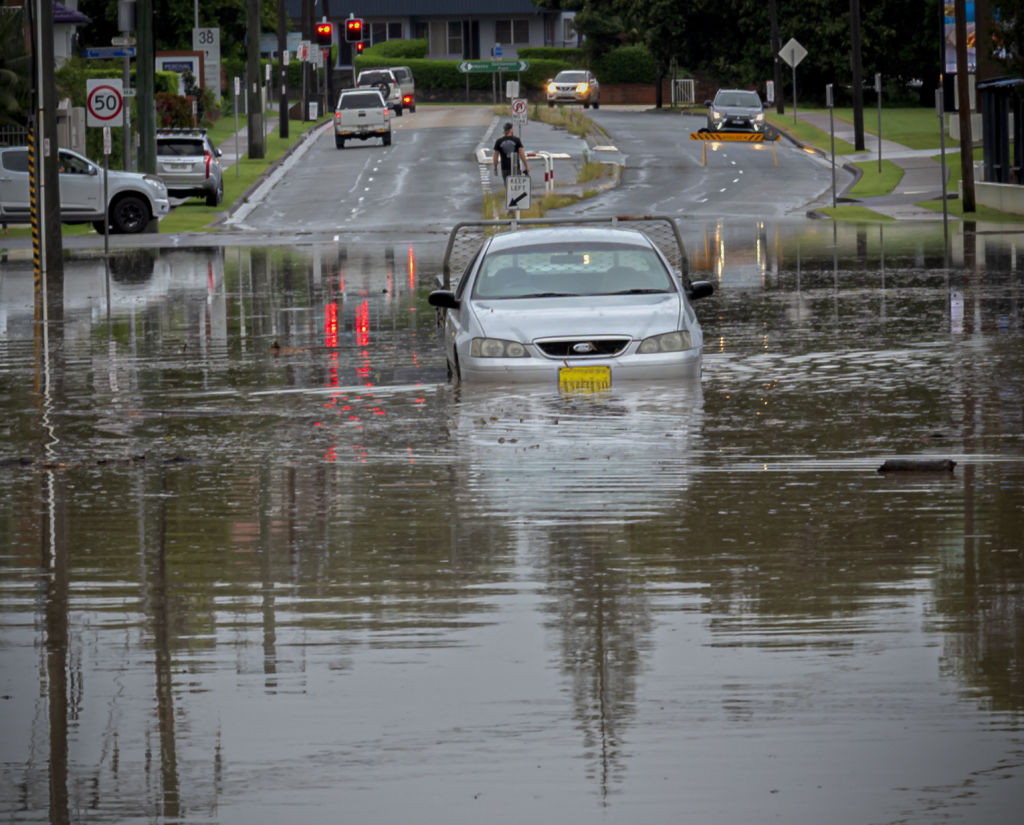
[{"x": 568, "y": 234}]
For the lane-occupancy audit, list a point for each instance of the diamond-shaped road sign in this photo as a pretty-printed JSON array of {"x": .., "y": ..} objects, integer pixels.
[{"x": 793, "y": 52}]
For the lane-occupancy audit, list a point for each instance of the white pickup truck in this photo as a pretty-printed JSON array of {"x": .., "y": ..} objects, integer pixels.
[{"x": 361, "y": 114}]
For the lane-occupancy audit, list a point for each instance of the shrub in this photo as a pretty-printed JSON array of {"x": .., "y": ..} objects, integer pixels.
[
  {"x": 392, "y": 49},
  {"x": 173, "y": 111},
  {"x": 573, "y": 56}
]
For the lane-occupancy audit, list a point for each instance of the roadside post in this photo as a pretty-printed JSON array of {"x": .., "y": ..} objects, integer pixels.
[
  {"x": 878, "y": 94},
  {"x": 793, "y": 53},
  {"x": 830, "y": 103},
  {"x": 106, "y": 195},
  {"x": 235, "y": 107},
  {"x": 942, "y": 174}
]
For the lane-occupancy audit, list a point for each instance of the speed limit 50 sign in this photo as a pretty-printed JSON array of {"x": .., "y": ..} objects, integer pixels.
[{"x": 104, "y": 102}]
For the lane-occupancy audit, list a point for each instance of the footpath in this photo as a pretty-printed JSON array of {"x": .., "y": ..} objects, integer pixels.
[{"x": 922, "y": 175}]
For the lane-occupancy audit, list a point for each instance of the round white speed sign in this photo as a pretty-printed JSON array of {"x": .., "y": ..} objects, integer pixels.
[{"x": 104, "y": 102}]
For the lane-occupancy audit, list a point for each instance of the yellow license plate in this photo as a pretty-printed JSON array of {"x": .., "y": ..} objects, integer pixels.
[{"x": 584, "y": 379}]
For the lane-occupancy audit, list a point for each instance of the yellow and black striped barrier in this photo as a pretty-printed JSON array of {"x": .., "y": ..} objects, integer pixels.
[{"x": 770, "y": 136}]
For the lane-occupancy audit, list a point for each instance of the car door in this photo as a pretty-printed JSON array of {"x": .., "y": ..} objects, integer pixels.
[
  {"x": 81, "y": 188},
  {"x": 14, "y": 183}
]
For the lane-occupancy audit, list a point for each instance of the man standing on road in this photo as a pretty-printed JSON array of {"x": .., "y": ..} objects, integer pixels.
[{"x": 505, "y": 148}]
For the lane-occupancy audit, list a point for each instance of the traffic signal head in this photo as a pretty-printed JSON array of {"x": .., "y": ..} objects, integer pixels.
[
  {"x": 359, "y": 47},
  {"x": 324, "y": 31},
  {"x": 354, "y": 29}
]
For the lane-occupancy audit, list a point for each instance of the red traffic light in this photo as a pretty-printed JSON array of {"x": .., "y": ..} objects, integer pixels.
[
  {"x": 323, "y": 33},
  {"x": 354, "y": 29},
  {"x": 359, "y": 47}
]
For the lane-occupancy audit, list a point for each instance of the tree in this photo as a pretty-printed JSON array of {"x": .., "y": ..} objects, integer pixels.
[{"x": 15, "y": 70}]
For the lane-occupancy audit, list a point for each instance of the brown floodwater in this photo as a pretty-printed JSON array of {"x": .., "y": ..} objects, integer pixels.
[{"x": 261, "y": 562}]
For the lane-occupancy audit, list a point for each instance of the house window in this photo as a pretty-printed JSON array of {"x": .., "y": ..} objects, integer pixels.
[
  {"x": 569, "y": 30},
  {"x": 381, "y": 31},
  {"x": 512, "y": 31},
  {"x": 454, "y": 37}
]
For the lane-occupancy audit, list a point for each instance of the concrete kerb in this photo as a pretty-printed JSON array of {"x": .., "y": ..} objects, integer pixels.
[{"x": 252, "y": 196}]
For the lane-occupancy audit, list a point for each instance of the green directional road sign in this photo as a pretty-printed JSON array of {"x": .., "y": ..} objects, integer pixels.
[{"x": 467, "y": 66}]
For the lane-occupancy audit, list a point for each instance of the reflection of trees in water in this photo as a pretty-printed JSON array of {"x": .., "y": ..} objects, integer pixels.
[
  {"x": 980, "y": 597},
  {"x": 603, "y": 620}
]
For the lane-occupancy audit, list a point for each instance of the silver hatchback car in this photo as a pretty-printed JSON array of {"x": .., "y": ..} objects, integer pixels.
[
  {"x": 577, "y": 306},
  {"x": 189, "y": 164}
]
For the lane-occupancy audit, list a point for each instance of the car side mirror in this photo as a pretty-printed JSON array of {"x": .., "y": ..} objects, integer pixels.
[
  {"x": 700, "y": 289},
  {"x": 444, "y": 299},
  {"x": 707, "y": 103},
  {"x": 219, "y": 152}
]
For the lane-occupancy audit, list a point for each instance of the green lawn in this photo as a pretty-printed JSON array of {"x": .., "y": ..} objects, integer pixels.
[
  {"x": 872, "y": 183},
  {"x": 805, "y": 133}
]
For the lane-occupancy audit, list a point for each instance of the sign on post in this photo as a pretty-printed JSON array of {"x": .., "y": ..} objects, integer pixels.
[
  {"x": 792, "y": 53},
  {"x": 104, "y": 101},
  {"x": 469, "y": 66},
  {"x": 517, "y": 192},
  {"x": 519, "y": 112}
]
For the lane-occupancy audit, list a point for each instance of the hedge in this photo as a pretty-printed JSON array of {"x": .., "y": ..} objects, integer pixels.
[
  {"x": 627, "y": 64},
  {"x": 570, "y": 55}
]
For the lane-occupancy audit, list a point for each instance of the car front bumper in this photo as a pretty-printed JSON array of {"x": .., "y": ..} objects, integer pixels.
[{"x": 531, "y": 370}]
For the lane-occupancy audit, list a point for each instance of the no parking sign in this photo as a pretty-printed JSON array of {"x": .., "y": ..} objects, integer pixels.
[{"x": 104, "y": 101}]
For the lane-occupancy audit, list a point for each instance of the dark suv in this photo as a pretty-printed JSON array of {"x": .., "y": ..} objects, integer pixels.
[
  {"x": 188, "y": 163},
  {"x": 735, "y": 110}
]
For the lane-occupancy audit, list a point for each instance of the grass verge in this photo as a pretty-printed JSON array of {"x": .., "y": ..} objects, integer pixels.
[
  {"x": 804, "y": 132},
  {"x": 858, "y": 214},
  {"x": 871, "y": 183}
]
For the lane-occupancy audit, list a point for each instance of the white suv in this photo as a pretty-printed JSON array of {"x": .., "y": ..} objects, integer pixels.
[
  {"x": 133, "y": 199},
  {"x": 385, "y": 81}
]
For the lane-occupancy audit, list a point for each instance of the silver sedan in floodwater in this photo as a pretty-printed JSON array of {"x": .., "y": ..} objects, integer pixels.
[{"x": 582, "y": 307}]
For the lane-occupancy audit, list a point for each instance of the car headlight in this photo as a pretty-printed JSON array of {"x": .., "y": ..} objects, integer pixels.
[
  {"x": 716, "y": 115},
  {"x": 760, "y": 117},
  {"x": 155, "y": 182},
  {"x": 668, "y": 342},
  {"x": 552, "y": 88},
  {"x": 581, "y": 88},
  {"x": 496, "y": 348}
]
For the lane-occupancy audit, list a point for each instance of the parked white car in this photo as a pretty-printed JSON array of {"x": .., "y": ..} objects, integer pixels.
[{"x": 133, "y": 199}]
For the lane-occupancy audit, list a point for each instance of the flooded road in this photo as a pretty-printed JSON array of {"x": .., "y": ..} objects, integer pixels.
[{"x": 261, "y": 562}]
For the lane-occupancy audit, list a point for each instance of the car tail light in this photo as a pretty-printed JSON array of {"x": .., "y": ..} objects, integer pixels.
[
  {"x": 407, "y": 100},
  {"x": 207, "y": 157}
]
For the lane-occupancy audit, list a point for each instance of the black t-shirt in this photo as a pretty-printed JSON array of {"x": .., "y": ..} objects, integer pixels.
[{"x": 507, "y": 146}]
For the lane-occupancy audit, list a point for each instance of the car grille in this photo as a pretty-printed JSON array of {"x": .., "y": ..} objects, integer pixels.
[{"x": 583, "y": 347}]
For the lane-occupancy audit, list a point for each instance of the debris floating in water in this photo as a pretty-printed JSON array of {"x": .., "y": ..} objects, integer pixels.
[{"x": 918, "y": 465}]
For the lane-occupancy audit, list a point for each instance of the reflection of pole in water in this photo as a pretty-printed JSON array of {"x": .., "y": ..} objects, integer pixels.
[
  {"x": 55, "y": 560},
  {"x": 162, "y": 661}
]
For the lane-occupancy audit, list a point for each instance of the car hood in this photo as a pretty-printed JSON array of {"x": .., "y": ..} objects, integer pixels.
[
  {"x": 527, "y": 319},
  {"x": 738, "y": 111}
]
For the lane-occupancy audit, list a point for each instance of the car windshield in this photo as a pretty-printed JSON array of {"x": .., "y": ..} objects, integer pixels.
[
  {"x": 747, "y": 99},
  {"x": 179, "y": 146},
  {"x": 360, "y": 100},
  {"x": 571, "y": 77},
  {"x": 559, "y": 270}
]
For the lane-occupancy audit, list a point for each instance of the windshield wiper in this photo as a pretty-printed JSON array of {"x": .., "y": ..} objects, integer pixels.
[
  {"x": 637, "y": 291},
  {"x": 547, "y": 295}
]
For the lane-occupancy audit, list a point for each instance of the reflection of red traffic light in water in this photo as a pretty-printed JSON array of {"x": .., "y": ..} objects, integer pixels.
[
  {"x": 363, "y": 324},
  {"x": 412, "y": 269},
  {"x": 331, "y": 324}
]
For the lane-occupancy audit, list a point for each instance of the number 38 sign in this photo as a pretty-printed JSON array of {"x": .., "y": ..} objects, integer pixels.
[{"x": 104, "y": 102}]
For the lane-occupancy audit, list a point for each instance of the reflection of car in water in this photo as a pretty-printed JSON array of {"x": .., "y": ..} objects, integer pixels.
[
  {"x": 581, "y": 307},
  {"x": 535, "y": 455},
  {"x": 138, "y": 277}
]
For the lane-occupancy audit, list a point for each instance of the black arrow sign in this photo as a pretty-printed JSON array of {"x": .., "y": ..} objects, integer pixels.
[{"x": 516, "y": 199}]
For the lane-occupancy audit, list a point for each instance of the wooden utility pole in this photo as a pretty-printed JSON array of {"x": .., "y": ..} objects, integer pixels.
[
  {"x": 857, "y": 81},
  {"x": 145, "y": 85},
  {"x": 282, "y": 49},
  {"x": 254, "y": 100},
  {"x": 773, "y": 15},
  {"x": 963, "y": 90}
]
